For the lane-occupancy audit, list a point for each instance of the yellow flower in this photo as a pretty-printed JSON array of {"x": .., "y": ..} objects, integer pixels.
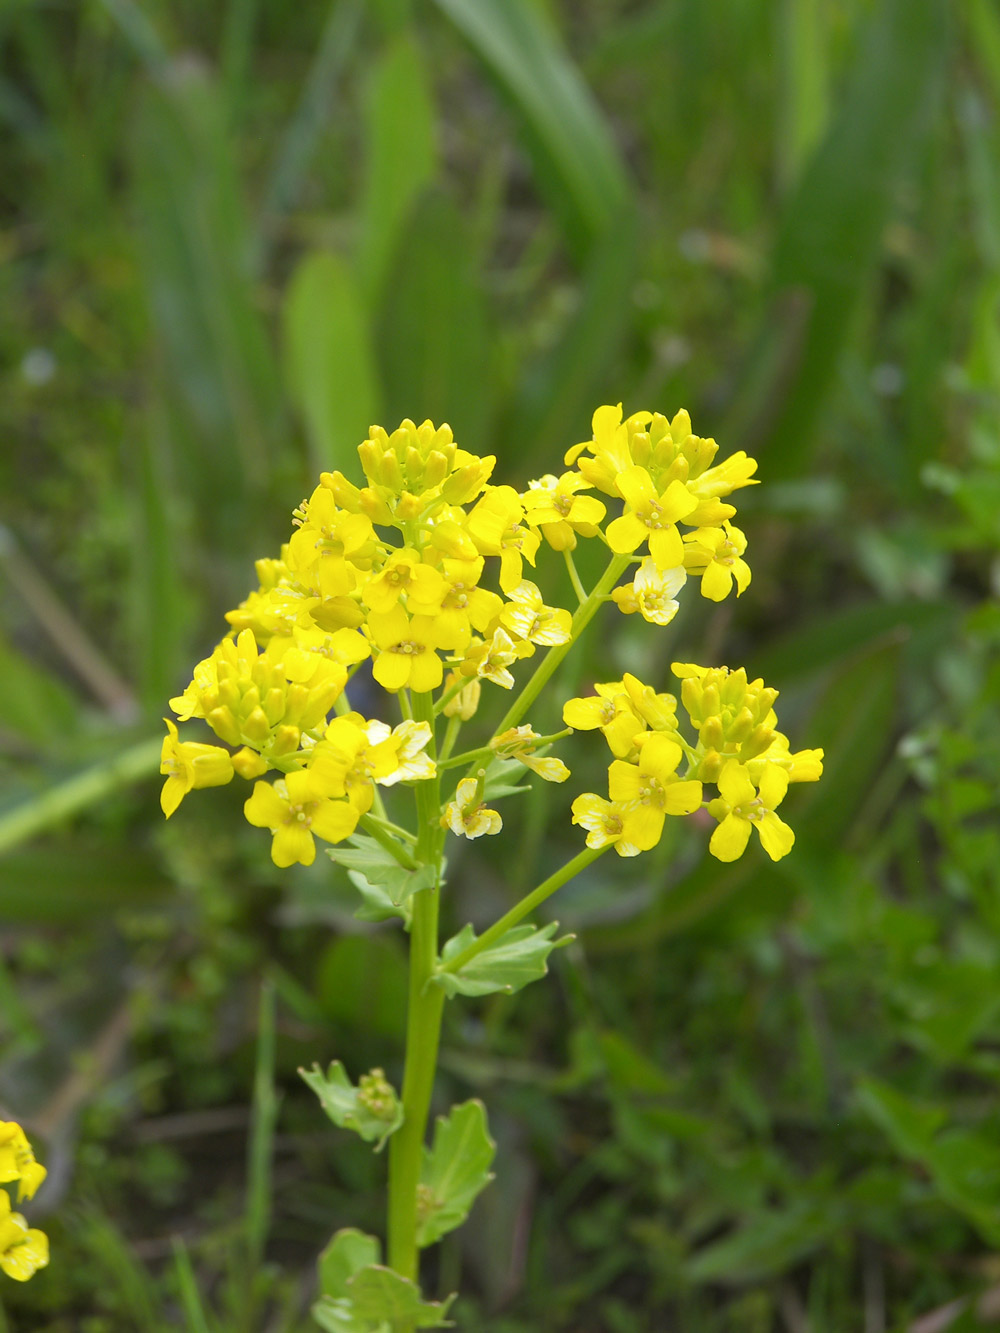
[
  {"x": 656, "y": 591},
  {"x": 490, "y": 660},
  {"x": 189, "y": 764},
  {"x": 611, "y": 447},
  {"x": 519, "y": 743},
  {"x": 458, "y": 603},
  {"x": 296, "y": 809},
  {"x": 526, "y": 617},
  {"x": 610, "y": 709},
  {"x": 346, "y": 762},
  {"x": 716, "y": 555},
  {"x": 651, "y": 790},
  {"x": 303, "y": 653},
  {"x": 23, "y": 1249},
  {"x": 495, "y": 524},
  {"x": 466, "y": 815},
  {"x": 330, "y": 546},
  {"x": 408, "y": 649},
  {"x": 650, "y": 516},
  {"x": 604, "y": 822},
  {"x": 403, "y": 572},
  {"x": 17, "y": 1161},
  {"x": 742, "y": 806},
  {"x": 552, "y": 505}
]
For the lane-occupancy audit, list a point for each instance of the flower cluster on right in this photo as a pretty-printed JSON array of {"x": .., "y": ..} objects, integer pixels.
[{"x": 738, "y": 749}]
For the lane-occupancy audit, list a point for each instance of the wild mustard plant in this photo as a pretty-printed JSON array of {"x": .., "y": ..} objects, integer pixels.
[
  {"x": 23, "y": 1249},
  {"x": 428, "y": 572}
]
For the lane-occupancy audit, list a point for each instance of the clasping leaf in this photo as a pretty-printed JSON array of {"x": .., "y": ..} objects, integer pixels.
[
  {"x": 358, "y": 1295},
  {"x": 371, "y": 1109},
  {"x": 520, "y": 955},
  {"x": 383, "y": 883},
  {"x": 455, "y": 1170}
]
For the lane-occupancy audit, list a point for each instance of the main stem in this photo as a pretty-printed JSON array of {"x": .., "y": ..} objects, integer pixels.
[{"x": 423, "y": 1027}]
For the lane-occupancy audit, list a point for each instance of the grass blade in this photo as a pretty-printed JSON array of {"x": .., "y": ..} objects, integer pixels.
[
  {"x": 831, "y": 232},
  {"x": 577, "y": 163},
  {"x": 400, "y": 155},
  {"x": 329, "y": 360}
]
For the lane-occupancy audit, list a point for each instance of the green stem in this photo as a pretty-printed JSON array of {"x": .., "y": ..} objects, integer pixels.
[
  {"x": 423, "y": 1027},
  {"x": 574, "y": 577},
  {"x": 450, "y": 737},
  {"x": 522, "y": 909},
  {"x": 545, "y": 669}
]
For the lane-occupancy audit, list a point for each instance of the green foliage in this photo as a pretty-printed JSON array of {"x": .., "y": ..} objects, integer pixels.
[
  {"x": 384, "y": 885},
  {"x": 456, "y": 1169},
  {"x": 358, "y": 1295},
  {"x": 518, "y": 957},
  {"x": 372, "y": 1109}
]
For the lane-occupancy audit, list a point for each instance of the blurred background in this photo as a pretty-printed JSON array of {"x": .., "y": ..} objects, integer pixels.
[{"x": 749, "y": 1098}]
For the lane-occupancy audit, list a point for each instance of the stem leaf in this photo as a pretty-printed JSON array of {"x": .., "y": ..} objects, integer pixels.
[
  {"x": 518, "y": 957},
  {"x": 455, "y": 1170},
  {"x": 385, "y": 886}
]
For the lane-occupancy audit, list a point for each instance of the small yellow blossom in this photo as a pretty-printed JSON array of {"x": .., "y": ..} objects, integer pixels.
[
  {"x": 651, "y": 790},
  {"x": 650, "y": 516},
  {"x": 408, "y": 650},
  {"x": 742, "y": 806},
  {"x": 520, "y": 743},
  {"x": 527, "y": 618},
  {"x": 490, "y": 660},
  {"x": 552, "y": 504},
  {"x": 656, "y": 592},
  {"x": 604, "y": 822},
  {"x": 466, "y": 815},
  {"x": 296, "y": 809},
  {"x": 189, "y": 764},
  {"x": 404, "y": 572},
  {"x": 610, "y": 710},
  {"x": 17, "y": 1161},
  {"x": 347, "y": 763},
  {"x": 496, "y": 525},
  {"x": 23, "y": 1249},
  {"x": 716, "y": 554}
]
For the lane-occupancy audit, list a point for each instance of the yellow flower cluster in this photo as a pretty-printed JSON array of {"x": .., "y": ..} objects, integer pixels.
[
  {"x": 738, "y": 749},
  {"x": 23, "y": 1249},
  {"x": 423, "y": 570}
]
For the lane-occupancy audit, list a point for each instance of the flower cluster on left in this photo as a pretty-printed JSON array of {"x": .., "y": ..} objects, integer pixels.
[{"x": 23, "y": 1249}]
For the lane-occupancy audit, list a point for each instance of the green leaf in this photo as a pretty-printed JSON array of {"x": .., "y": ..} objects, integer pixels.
[
  {"x": 519, "y": 956},
  {"x": 577, "y": 162},
  {"x": 380, "y": 1295},
  {"x": 383, "y": 883},
  {"x": 400, "y": 155},
  {"x": 434, "y": 337},
  {"x": 197, "y": 259},
  {"x": 371, "y": 1109},
  {"x": 348, "y": 1252},
  {"x": 964, "y": 1166},
  {"x": 769, "y": 1243},
  {"x": 329, "y": 360},
  {"x": 558, "y": 395},
  {"x": 455, "y": 1170}
]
